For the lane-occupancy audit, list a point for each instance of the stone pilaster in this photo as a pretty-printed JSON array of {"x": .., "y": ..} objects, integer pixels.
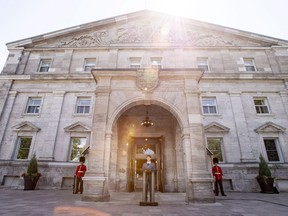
[
  {"x": 48, "y": 145},
  {"x": 96, "y": 178},
  {"x": 5, "y": 115},
  {"x": 199, "y": 182},
  {"x": 95, "y": 182},
  {"x": 246, "y": 151}
]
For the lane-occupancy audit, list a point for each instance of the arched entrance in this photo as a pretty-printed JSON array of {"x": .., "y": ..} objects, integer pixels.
[
  {"x": 162, "y": 140},
  {"x": 121, "y": 96}
]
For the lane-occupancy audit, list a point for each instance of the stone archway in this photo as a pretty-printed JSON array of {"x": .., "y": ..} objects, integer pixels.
[
  {"x": 163, "y": 135},
  {"x": 117, "y": 92}
]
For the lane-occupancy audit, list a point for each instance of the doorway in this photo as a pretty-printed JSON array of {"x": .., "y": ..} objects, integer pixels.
[{"x": 139, "y": 148}]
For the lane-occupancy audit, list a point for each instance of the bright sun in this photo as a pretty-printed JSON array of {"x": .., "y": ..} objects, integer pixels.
[{"x": 175, "y": 7}]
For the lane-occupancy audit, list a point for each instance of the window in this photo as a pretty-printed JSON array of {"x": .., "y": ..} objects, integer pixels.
[
  {"x": 83, "y": 105},
  {"x": 156, "y": 62},
  {"x": 261, "y": 105},
  {"x": 44, "y": 65},
  {"x": 135, "y": 62},
  {"x": 203, "y": 63},
  {"x": 214, "y": 145},
  {"x": 77, "y": 147},
  {"x": 89, "y": 64},
  {"x": 209, "y": 106},
  {"x": 249, "y": 64},
  {"x": 24, "y": 144},
  {"x": 33, "y": 105},
  {"x": 271, "y": 149}
]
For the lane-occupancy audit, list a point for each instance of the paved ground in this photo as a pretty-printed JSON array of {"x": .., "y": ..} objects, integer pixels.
[{"x": 63, "y": 202}]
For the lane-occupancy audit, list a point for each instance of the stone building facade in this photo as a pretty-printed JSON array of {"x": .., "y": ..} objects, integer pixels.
[{"x": 209, "y": 91}]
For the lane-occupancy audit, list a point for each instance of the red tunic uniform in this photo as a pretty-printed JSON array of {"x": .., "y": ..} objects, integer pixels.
[
  {"x": 217, "y": 172},
  {"x": 80, "y": 171}
]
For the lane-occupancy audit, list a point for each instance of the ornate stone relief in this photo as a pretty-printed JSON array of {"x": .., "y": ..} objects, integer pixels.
[
  {"x": 152, "y": 33},
  {"x": 96, "y": 39},
  {"x": 147, "y": 79}
]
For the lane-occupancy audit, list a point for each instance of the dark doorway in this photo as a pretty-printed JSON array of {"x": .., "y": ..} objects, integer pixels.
[{"x": 138, "y": 150}]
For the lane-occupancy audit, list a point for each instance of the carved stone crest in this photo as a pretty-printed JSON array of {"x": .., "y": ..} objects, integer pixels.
[{"x": 147, "y": 79}]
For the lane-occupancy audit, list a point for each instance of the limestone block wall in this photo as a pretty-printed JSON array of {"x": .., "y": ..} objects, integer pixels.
[
  {"x": 52, "y": 142},
  {"x": 53, "y": 175},
  {"x": 222, "y": 60},
  {"x": 242, "y": 177}
]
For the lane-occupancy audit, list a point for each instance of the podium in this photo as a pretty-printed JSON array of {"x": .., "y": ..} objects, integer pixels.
[{"x": 148, "y": 183}]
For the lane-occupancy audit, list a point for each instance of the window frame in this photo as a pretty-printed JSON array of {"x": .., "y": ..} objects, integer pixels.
[
  {"x": 156, "y": 62},
  {"x": 88, "y": 64},
  {"x": 266, "y": 104},
  {"x": 205, "y": 66},
  {"x": 79, "y": 152},
  {"x": 221, "y": 147},
  {"x": 28, "y": 105},
  {"x": 18, "y": 146},
  {"x": 78, "y": 99},
  {"x": 277, "y": 148},
  {"x": 249, "y": 63},
  {"x": 135, "y": 62},
  {"x": 41, "y": 65},
  {"x": 216, "y": 106}
]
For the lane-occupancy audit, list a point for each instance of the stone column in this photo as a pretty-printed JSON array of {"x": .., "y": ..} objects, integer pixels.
[
  {"x": 246, "y": 151},
  {"x": 199, "y": 183},
  {"x": 95, "y": 180}
]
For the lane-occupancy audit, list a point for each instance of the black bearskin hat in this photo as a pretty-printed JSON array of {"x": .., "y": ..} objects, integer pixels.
[
  {"x": 82, "y": 159},
  {"x": 215, "y": 160}
]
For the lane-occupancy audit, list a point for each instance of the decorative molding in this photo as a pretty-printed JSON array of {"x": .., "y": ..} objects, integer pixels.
[
  {"x": 26, "y": 127},
  {"x": 270, "y": 127},
  {"x": 215, "y": 127},
  {"x": 77, "y": 127}
]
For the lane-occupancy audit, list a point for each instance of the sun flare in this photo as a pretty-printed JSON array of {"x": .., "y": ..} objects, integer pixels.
[{"x": 177, "y": 8}]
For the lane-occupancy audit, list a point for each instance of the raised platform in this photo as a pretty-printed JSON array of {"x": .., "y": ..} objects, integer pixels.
[{"x": 148, "y": 203}]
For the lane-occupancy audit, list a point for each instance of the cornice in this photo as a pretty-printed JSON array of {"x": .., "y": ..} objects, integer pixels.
[{"x": 245, "y": 76}]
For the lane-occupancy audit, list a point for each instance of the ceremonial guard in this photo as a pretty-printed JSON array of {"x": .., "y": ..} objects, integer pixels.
[
  {"x": 80, "y": 172},
  {"x": 218, "y": 174}
]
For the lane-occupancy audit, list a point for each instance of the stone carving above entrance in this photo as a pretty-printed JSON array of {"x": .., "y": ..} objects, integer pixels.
[{"x": 147, "y": 79}]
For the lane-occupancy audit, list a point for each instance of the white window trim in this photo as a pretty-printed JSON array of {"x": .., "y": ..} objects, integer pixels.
[
  {"x": 77, "y": 135},
  {"x": 85, "y": 63},
  {"x": 76, "y": 105},
  {"x": 135, "y": 62},
  {"x": 210, "y": 136},
  {"x": 278, "y": 147},
  {"x": 253, "y": 62},
  {"x": 266, "y": 103},
  {"x": 216, "y": 105},
  {"x": 26, "y": 106},
  {"x": 40, "y": 65},
  {"x": 17, "y": 145},
  {"x": 207, "y": 63},
  {"x": 156, "y": 62}
]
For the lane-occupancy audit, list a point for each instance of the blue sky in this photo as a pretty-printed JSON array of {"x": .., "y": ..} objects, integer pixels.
[{"x": 21, "y": 19}]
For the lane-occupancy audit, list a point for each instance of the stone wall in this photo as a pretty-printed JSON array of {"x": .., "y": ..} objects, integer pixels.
[{"x": 53, "y": 175}]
